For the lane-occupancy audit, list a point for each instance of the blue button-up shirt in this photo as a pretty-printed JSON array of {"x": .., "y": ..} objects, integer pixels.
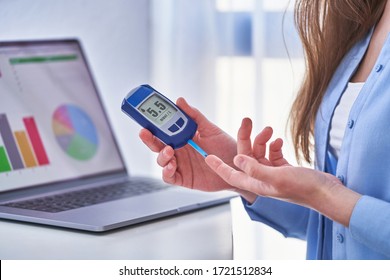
[{"x": 363, "y": 166}]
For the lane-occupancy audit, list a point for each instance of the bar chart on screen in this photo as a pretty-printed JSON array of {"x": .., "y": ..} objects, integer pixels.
[{"x": 20, "y": 149}]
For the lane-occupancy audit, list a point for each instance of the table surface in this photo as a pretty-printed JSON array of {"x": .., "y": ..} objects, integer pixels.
[{"x": 202, "y": 234}]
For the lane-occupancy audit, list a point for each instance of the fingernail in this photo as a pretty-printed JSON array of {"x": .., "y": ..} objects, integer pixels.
[
  {"x": 239, "y": 161},
  {"x": 211, "y": 161},
  {"x": 208, "y": 159},
  {"x": 165, "y": 152}
]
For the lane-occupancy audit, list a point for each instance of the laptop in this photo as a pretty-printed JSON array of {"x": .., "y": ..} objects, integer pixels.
[{"x": 59, "y": 161}]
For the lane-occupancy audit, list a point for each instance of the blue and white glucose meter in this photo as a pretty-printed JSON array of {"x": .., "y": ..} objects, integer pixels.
[{"x": 161, "y": 117}]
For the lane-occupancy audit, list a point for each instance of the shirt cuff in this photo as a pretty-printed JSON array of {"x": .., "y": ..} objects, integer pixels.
[
  {"x": 287, "y": 218},
  {"x": 369, "y": 223}
]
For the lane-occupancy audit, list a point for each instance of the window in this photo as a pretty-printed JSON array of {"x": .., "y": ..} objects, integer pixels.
[{"x": 259, "y": 67}]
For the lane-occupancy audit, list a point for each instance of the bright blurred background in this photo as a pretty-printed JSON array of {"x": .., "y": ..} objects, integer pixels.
[{"x": 229, "y": 58}]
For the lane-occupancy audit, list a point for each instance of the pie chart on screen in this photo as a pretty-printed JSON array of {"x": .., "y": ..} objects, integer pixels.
[{"x": 75, "y": 132}]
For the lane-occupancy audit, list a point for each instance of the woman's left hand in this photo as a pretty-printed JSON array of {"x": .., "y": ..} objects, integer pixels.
[
  {"x": 274, "y": 177},
  {"x": 294, "y": 184}
]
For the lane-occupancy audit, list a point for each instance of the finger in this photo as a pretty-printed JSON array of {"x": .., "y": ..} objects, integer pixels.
[
  {"x": 151, "y": 141},
  {"x": 276, "y": 153},
  {"x": 260, "y": 143},
  {"x": 227, "y": 173},
  {"x": 232, "y": 176},
  {"x": 202, "y": 122},
  {"x": 165, "y": 156},
  {"x": 169, "y": 173},
  {"x": 254, "y": 169},
  {"x": 244, "y": 143}
]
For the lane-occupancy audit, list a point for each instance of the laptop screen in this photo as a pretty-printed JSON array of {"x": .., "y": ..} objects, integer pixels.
[{"x": 52, "y": 124}]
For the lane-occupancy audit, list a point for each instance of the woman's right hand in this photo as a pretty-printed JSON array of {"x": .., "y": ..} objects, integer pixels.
[{"x": 184, "y": 166}]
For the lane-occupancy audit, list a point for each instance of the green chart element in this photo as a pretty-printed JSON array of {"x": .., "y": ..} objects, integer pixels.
[
  {"x": 42, "y": 59},
  {"x": 4, "y": 163},
  {"x": 81, "y": 148}
]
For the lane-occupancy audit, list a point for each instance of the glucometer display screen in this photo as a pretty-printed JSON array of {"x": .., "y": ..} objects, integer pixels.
[
  {"x": 161, "y": 117},
  {"x": 157, "y": 110}
]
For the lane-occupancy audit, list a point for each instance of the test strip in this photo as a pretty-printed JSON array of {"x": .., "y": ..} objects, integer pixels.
[{"x": 197, "y": 148}]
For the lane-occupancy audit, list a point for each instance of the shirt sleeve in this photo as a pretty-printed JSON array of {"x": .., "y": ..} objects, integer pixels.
[
  {"x": 289, "y": 219},
  {"x": 370, "y": 224}
]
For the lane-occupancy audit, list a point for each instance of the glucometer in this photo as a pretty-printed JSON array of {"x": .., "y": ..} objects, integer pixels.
[{"x": 155, "y": 112}]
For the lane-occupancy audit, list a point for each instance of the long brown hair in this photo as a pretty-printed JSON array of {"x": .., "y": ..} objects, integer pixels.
[{"x": 328, "y": 29}]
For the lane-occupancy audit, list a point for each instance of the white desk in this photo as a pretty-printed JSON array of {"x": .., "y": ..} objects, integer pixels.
[{"x": 204, "y": 234}]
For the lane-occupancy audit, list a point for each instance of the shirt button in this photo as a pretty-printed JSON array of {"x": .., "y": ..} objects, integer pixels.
[
  {"x": 350, "y": 123},
  {"x": 378, "y": 68},
  {"x": 341, "y": 178},
  {"x": 339, "y": 238}
]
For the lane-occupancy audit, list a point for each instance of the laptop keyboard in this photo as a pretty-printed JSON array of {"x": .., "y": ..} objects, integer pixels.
[{"x": 82, "y": 198}]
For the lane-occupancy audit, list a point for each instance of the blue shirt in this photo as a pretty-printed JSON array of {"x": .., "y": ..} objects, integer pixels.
[{"x": 363, "y": 166}]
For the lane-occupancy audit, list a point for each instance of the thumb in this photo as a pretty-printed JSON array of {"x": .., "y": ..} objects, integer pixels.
[{"x": 202, "y": 122}]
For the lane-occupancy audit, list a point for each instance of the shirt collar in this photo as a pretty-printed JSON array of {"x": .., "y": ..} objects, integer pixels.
[{"x": 336, "y": 87}]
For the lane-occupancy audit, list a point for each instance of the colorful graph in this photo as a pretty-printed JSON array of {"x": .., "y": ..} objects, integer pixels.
[
  {"x": 22, "y": 149},
  {"x": 75, "y": 132}
]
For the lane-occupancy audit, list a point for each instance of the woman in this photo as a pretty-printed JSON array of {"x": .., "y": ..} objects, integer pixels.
[{"x": 342, "y": 208}]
